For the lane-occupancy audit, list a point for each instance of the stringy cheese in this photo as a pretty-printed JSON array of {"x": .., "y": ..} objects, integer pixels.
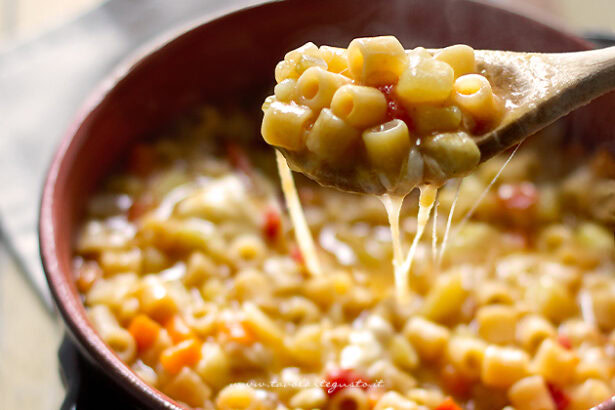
[
  {"x": 392, "y": 204},
  {"x": 302, "y": 231}
]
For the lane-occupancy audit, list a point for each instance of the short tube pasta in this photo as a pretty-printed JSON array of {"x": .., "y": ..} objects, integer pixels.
[
  {"x": 503, "y": 366},
  {"x": 360, "y": 106},
  {"x": 316, "y": 87},
  {"x": 376, "y": 60},
  {"x": 386, "y": 144},
  {"x": 473, "y": 93},
  {"x": 460, "y": 57},
  {"x": 373, "y": 85},
  {"x": 118, "y": 338},
  {"x": 331, "y": 136},
  {"x": 284, "y": 125},
  {"x": 352, "y": 397}
]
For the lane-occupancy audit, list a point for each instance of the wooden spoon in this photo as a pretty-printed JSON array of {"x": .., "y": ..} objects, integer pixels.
[{"x": 540, "y": 88}]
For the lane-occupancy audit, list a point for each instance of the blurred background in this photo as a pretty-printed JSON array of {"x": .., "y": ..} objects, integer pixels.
[{"x": 52, "y": 52}]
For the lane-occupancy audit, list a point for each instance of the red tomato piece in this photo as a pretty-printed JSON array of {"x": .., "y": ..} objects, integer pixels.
[
  {"x": 339, "y": 379},
  {"x": 518, "y": 197},
  {"x": 564, "y": 341},
  {"x": 394, "y": 109},
  {"x": 296, "y": 254},
  {"x": 560, "y": 398},
  {"x": 272, "y": 227},
  {"x": 454, "y": 382},
  {"x": 448, "y": 404}
]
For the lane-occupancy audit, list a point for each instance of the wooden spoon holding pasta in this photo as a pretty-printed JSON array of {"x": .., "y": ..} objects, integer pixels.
[{"x": 375, "y": 118}]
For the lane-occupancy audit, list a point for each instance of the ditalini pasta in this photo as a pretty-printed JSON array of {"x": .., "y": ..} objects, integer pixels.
[
  {"x": 192, "y": 272},
  {"x": 384, "y": 118},
  {"x": 375, "y": 104}
]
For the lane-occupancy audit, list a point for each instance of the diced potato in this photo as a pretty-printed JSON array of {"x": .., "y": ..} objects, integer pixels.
[
  {"x": 402, "y": 353},
  {"x": 552, "y": 299},
  {"x": 497, "y": 323},
  {"x": 445, "y": 299},
  {"x": 503, "y": 366},
  {"x": 531, "y": 393},
  {"x": 428, "y": 81},
  {"x": 555, "y": 363},
  {"x": 589, "y": 394}
]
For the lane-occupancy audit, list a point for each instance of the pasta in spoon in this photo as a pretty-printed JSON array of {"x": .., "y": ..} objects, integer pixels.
[{"x": 377, "y": 119}]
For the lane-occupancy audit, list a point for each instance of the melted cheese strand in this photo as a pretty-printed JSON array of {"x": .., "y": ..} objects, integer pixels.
[
  {"x": 402, "y": 272},
  {"x": 448, "y": 225},
  {"x": 484, "y": 193},
  {"x": 434, "y": 232},
  {"x": 302, "y": 231},
  {"x": 392, "y": 204}
]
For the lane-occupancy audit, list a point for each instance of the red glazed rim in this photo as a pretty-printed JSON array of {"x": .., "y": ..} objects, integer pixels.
[{"x": 62, "y": 289}]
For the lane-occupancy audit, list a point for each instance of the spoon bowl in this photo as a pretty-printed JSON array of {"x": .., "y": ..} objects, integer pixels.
[
  {"x": 537, "y": 89},
  {"x": 540, "y": 88}
]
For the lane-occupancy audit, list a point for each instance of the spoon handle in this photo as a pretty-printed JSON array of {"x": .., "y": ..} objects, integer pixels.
[{"x": 569, "y": 81}]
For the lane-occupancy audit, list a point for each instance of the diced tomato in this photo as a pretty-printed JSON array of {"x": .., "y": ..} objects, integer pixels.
[
  {"x": 296, "y": 254},
  {"x": 394, "y": 108},
  {"x": 448, "y": 404},
  {"x": 237, "y": 331},
  {"x": 560, "y": 398},
  {"x": 564, "y": 341},
  {"x": 272, "y": 227},
  {"x": 454, "y": 382},
  {"x": 239, "y": 159},
  {"x": 142, "y": 160},
  {"x": 518, "y": 197},
  {"x": 339, "y": 379}
]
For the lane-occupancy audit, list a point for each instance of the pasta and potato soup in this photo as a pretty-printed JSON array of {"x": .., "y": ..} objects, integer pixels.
[{"x": 223, "y": 284}]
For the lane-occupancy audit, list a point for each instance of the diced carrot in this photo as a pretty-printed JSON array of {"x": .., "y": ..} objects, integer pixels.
[
  {"x": 142, "y": 159},
  {"x": 186, "y": 353},
  {"x": 455, "y": 382},
  {"x": 87, "y": 274},
  {"x": 237, "y": 331},
  {"x": 564, "y": 341},
  {"x": 272, "y": 226},
  {"x": 340, "y": 379},
  {"x": 560, "y": 398},
  {"x": 448, "y": 404},
  {"x": 178, "y": 329},
  {"x": 144, "y": 330}
]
